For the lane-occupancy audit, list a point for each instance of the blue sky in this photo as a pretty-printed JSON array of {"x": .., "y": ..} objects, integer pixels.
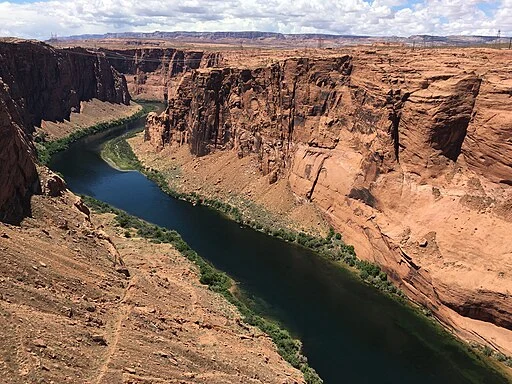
[{"x": 39, "y": 19}]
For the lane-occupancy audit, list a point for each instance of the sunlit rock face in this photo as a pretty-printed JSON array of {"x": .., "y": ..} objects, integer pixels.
[{"x": 408, "y": 154}]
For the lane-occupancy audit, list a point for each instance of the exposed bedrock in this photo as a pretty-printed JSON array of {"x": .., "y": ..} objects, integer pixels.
[
  {"x": 39, "y": 83},
  {"x": 153, "y": 73},
  {"x": 408, "y": 155},
  {"x": 18, "y": 175}
]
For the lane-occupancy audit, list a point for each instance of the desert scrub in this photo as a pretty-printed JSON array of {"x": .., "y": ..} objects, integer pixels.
[
  {"x": 288, "y": 347},
  {"x": 492, "y": 354},
  {"x": 118, "y": 152}
]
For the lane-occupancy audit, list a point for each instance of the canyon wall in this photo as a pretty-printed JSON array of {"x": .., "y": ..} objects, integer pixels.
[
  {"x": 152, "y": 73},
  {"x": 407, "y": 154},
  {"x": 40, "y": 83},
  {"x": 75, "y": 296}
]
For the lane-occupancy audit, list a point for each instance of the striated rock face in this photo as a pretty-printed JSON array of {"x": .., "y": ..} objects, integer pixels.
[
  {"x": 18, "y": 175},
  {"x": 39, "y": 83},
  {"x": 260, "y": 111},
  {"x": 50, "y": 83},
  {"x": 153, "y": 73},
  {"x": 408, "y": 154}
]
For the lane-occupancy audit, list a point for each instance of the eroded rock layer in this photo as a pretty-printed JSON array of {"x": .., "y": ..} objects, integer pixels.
[
  {"x": 409, "y": 155},
  {"x": 17, "y": 168},
  {"x": 39, "y": 83},
  {"x": 152, "y": 73}
]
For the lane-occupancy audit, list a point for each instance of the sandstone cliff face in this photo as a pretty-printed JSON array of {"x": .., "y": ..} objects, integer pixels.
[
  {"x": 263, "y": 111},
  {"x": 17, "y": 169},
  {"x": 407, "y": 154},
  {"x": 39, "y": 83},
  {"x": 153, "y": 73},
  {"x": 50, "y": 83}
]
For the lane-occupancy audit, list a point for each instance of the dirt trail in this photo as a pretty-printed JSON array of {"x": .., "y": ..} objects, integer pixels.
[{"x": 124, "y": 311}]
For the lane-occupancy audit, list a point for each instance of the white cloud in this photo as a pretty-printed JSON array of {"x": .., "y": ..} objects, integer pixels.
[{"x": 377, "y": 17}]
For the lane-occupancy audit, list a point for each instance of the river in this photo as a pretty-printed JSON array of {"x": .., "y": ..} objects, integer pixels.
[{"x": 351, "y": 332}]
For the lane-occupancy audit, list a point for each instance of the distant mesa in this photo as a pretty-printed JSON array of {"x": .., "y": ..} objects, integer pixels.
[{"x": 255, "y": 36}]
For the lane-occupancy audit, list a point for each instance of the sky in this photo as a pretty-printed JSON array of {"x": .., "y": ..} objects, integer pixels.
[{"x": 39, "y": 19}]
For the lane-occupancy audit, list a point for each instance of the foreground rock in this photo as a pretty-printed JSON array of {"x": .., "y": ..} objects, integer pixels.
[
  {"x": 68, "y": 316},
  {"x": 407, "y": 154}
]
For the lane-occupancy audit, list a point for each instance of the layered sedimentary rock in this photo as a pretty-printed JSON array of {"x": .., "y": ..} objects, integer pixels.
[
  {"x": 18, "y": 175},
  {"x": 39, "y": 83},
  {"x": 233, "y": 108},
  {"x": 50, "y": 83},
  {"x": 407, "y": 154},
  {"x": 152, "y": 73}
]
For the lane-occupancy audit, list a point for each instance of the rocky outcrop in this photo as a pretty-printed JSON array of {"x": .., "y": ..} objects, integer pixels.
[
  {"x": 408, "y": 155},
  {"x": 69, "y": 282},
  {"x": 153, "y": 73},
  {"x": 263, "y": 111},
  {"x": 40, "y": 83}
]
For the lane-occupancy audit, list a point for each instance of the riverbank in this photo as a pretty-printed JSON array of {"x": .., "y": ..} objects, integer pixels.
[
  {"x": 368, "y": 272},
  {"x": 217, "y": 281},
  {"x": 224, "y": 176},
  {"x": 120, "y": 152},
  {"x": 331, "y": 246},
  {"x": 91, "y": 113},
  {"x": 67, "y": 133}
]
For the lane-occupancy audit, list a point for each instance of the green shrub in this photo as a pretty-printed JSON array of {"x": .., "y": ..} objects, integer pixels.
[
  {"x": 370, "y": 268},
  {"x": 46, "y": 149},
  {"x": 288, "y": 347}
]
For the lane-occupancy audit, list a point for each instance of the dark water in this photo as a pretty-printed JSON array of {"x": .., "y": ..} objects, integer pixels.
[{"x": 351, "y": 332}]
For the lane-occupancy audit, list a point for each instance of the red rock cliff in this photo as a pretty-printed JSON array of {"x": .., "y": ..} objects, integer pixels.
[
  {"x": 39, "y": 83},
  {"x": 152, "y": 73},
  {"x": 408, "y": 154}
]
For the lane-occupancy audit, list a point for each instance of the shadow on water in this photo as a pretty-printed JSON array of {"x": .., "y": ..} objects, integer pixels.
[{"x": 351, "y": 332}]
